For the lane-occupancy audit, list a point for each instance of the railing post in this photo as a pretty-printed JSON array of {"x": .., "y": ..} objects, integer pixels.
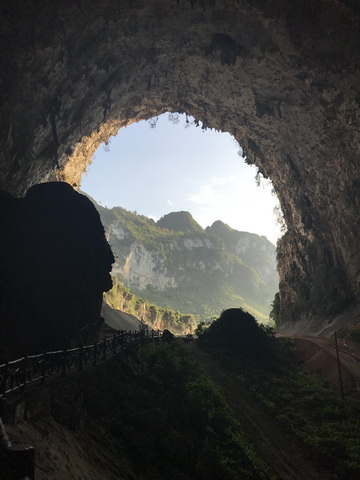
[
  {"x": 95, "y": 353},
  {"x": 64, "y": 362},
  {"x": 81, "y": 357},
  {"x": 3, "y": 406},
  {"x": 43, "y": 373},
  {"x": 21, "y": 461},
  {"x": 104, "y": 349},
  {"x": 339, "y": 367},
  {"x": 24, "y": 368},
  {"x": 5, "y": 377},
  {"x": 11, "y": 378}
]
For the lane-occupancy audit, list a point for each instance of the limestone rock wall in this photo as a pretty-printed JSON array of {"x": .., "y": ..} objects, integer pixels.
[
  {"x": 143, "y": 268},
  {"x": 282, "y": 77}
]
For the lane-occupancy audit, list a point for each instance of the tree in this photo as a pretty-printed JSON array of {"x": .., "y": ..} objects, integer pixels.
[
  {"x": 201, "y": 328},
  {"x": 275, "y": 310},
  {"x": 238, "y": 331}
]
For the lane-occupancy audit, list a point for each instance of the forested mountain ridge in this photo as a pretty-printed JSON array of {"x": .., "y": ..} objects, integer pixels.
[{"x": 176, "y": 263}]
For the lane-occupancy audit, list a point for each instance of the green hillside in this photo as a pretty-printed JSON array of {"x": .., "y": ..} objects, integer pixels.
[{"x": 175, "y": 263}]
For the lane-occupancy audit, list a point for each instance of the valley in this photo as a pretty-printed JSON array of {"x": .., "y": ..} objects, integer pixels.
[{"x": 175, "y": 263}]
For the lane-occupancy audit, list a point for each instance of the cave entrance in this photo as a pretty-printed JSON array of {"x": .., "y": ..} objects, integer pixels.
[
  {"x": 170, "y": 163},
  {"x": 161, "y": 169},
  {"x": 281, "y": 77}
]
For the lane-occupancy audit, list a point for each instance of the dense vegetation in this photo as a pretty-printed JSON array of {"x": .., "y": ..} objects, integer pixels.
[
  {"x": 169, "y": 420},
  {"x": 159, "y": 318},
  {"x": 305, "y": 406},
  {"x": 207, "y": 300}
]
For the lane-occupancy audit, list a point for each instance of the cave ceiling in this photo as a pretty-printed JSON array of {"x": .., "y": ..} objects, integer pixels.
[{"x": 282, "y": 77}]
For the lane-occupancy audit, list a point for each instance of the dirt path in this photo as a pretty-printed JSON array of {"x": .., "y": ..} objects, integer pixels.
[
  {"x": 319, "y": 357},
  {"x": 275, "y": 447}
]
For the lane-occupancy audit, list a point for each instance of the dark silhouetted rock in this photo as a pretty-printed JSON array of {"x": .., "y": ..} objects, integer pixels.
[{"x": 55, "y": 270}]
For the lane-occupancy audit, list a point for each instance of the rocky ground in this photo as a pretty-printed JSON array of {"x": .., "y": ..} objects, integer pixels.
[{"x": 62, "y": 454}]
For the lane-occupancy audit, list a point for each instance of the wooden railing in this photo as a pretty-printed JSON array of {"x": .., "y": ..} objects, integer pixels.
[{"x": 17, "y": 374}]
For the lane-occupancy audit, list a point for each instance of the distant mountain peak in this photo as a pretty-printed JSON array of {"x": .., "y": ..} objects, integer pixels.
[
  {"x": 180, "y": 222},
  {"x": 228, "y": 234},
  {"x": 219, "y": 225}
]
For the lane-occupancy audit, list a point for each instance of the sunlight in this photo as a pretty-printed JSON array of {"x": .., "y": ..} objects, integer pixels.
[{"x": 171, "y": 163}]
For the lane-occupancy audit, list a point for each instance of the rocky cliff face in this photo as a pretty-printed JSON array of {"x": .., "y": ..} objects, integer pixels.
[
  {"x": 282, "y": 77},
  {"x": 170, "y": 266},
  {"x": 121, "y": 300}
]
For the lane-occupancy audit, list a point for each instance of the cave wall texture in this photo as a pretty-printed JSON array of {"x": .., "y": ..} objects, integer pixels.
[{"x": 281, "y": 76}]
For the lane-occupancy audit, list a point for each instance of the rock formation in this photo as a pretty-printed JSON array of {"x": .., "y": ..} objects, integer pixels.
[
  {"x": 282, "y": 77},
  {"x": 55, "y": 269}
]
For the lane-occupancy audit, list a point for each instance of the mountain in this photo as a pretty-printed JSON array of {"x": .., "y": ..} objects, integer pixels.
[
  {"x": 176, "y": 263},
  {"x": 180, "y": 222}
]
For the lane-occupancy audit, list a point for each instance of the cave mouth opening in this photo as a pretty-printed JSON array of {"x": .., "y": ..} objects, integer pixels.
[
  {"x": 282, "y": 79},
  {"x": 173, "y": 162}
]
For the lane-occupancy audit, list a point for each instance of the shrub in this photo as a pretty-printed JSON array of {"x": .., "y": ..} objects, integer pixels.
[
  {"x": 201, "y": 328},
  {"x": 167, "y": 336},
  {"x": 238, "y": 331}
]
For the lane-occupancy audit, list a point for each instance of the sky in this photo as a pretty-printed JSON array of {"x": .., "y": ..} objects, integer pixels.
[{"x": 173, "y": 167}]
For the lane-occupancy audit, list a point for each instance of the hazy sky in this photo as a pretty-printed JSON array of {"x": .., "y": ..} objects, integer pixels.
[{"x": 170, "y": 168}]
